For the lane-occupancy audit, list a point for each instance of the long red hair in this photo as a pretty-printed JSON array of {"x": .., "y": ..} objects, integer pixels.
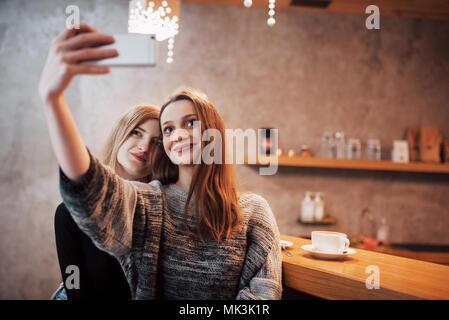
[{"x": 214, "y": 185}]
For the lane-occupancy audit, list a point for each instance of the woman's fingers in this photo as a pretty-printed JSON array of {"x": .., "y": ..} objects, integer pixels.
[
  {"x": 80, "y": 69},
  {"x": 86, "y": 39},
  {"x": 89, "y": 54},
  {"x": 62, "y": 61},
  {"x": 84, "y": 27},
  {"x": 69, "y": 33}
]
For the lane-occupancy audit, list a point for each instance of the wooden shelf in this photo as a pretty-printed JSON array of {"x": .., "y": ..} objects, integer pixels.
[
  {"x": 327, "y": 221},
  {"x": 374, "y": 165}
]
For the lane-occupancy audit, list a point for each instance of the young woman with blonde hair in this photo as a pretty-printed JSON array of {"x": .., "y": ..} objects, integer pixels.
[
  {"x": 221, "y": 245},
  {"x": 126, "y": 151}
]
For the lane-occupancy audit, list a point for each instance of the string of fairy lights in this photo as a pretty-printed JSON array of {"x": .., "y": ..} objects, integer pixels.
[{"x": 271, "y": 5}]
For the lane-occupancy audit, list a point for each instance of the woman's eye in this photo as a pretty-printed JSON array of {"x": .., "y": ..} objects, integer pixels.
[
  {"x": 136, "y": 132},
  {"x": 167, "y": 129},
  {"x": 191, "y": 122}
]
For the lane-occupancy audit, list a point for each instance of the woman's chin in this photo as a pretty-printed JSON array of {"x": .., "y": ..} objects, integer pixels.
[
  {"x": 186, "y": 159},
  {"x": 136, "y": 172}
]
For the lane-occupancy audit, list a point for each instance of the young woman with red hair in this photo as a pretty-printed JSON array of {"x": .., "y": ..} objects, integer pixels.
[{"x": 221, "y": 245}]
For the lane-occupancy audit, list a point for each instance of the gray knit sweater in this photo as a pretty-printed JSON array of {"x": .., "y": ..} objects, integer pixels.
[{"x": 142, "y": 226}]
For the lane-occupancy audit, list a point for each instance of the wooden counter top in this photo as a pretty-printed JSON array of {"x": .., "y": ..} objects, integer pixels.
[{"x": 400, "y": 278}]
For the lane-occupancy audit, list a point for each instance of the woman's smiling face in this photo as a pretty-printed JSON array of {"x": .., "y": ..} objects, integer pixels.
[
  {"x": 181, "y": 132},
  {"x": 133, "y": 155}
]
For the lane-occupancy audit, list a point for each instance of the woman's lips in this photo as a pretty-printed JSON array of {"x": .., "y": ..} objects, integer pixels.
[{"x": 139, "y": 157}]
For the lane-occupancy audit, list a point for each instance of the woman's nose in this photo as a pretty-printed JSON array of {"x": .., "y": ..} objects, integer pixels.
[
  {"x": 180, "y": 134},
  {"x": 142, "y": 147}
]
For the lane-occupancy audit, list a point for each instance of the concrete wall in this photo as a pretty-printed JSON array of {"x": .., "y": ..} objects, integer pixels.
[{"x": 310, "y": 73}]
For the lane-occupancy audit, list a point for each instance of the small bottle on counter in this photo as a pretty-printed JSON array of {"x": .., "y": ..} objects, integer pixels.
[
  {"x": 307, "y": 208},
  {"x": 382, "y": 233},
  {"x": 319, "y": 207}
]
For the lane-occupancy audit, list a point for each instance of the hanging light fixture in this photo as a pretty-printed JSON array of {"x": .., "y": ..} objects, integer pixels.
[
  {"x": 271, "y": 5},
  {"x": 160, "y": 18}
]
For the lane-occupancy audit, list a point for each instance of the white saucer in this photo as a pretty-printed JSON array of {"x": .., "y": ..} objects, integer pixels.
[
  {"x": 327, "y": 255},
  {"x": 285, "y": 243}
]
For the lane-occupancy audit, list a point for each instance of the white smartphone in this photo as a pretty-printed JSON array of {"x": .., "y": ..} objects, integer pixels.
[{"x": 134, "y": 50}]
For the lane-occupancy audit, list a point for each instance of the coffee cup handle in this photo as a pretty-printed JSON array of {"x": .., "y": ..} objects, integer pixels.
[{"x": 346, "y": 244}]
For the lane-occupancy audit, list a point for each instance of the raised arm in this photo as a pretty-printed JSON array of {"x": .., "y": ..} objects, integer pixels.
[{"x": 66, "y": 52}]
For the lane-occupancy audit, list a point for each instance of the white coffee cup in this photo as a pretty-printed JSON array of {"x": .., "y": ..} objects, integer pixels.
[{"x": 329, "y": 241}]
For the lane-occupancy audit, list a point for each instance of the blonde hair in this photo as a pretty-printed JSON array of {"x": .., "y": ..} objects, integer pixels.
[{"x": 121, "y": 131}]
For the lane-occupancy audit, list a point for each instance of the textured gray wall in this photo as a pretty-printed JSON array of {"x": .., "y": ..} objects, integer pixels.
[{"x": 310, "y": 73}]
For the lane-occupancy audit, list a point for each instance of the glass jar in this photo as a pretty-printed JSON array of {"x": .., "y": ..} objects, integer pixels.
[
  {"x": 326, "y": 145},
  {"x": 305, "y": 151},
  {"x": 291, "y": 153},
  {"x": 373, "y": 149},
  {"x": 367, "y": 224},
  {"x": 339, "y": 145},
  {"x": 353, "y": 149}
]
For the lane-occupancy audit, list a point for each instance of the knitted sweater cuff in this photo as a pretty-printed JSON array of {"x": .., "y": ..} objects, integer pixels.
[{"x": 81, "y": 184}]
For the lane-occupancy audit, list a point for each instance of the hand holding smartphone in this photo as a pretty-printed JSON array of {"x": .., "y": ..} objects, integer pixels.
[{"x": 134, "y": 50}]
